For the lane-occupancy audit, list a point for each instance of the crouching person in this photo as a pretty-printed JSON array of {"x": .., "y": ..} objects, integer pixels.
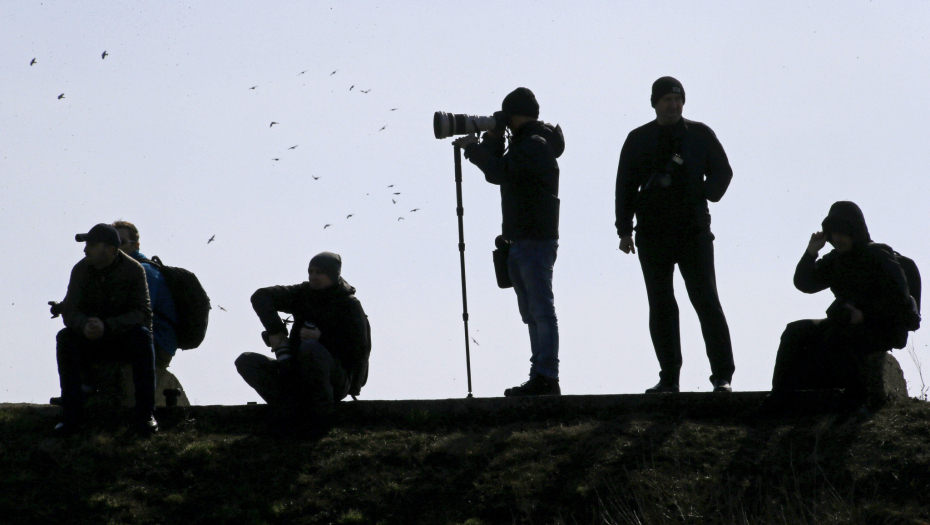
[
  {"x": 871, "y": 314},
  {"x": 325, "y": 356},
  {"x": 107, "y": 316}
]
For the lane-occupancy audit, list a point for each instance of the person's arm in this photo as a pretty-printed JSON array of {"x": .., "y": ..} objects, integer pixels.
[
  {"x": 717, "y": 171},
  {"x": 810, "y": 274},
  {"x": 627, "y": 191},
  {"x": 70, "y": 313},
  {"x": 488, "y": 156},
  {"x": 267, "y": 302},
  {"x": 139, "y": 305}
]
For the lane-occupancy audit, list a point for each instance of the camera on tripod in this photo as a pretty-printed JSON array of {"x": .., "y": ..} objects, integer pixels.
[{"x": 446, "y": 125}]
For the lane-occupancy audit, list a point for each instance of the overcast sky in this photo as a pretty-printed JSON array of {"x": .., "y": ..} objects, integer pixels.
[{"x": 813, "y": 102}]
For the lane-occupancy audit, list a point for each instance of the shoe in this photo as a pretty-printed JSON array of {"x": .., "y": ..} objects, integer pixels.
[
  {"x": 538, "y": 385},
  {"x": 67, "y": 427},
  {"x": 722, "y": 385},
  {"x": 147, "y": 426},
  {"x": 663, "y": 387}
]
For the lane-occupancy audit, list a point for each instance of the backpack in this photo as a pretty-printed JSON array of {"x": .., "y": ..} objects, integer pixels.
[
  {"x": 190, "y": 302},
  {"x": 912, "y": 274}
]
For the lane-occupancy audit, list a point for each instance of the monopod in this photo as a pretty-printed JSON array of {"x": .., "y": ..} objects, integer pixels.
[{"x": 460, "y": 211}]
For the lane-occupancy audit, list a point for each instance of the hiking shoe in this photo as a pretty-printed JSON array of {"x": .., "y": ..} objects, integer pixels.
[
  {"x": 67, "y": 427},
  {"x": 147, "y": 426},
  {"x": 722, "y": 385},
  {"x": 538, "y": 385},
  {"x": 663, "y": 387}
]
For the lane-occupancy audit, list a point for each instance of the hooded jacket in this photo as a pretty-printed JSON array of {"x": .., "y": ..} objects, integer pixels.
[
  {"x": 118, "y": 295},
  {"x": 528, "y": 175},
  {"x": 867, "y": 277},
  {"x": 704, "y": 176},
  {"x": 337, "y": 313}
]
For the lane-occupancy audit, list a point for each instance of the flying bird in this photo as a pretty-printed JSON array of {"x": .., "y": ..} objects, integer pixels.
[
  {"x": 398, "y": 193},
  {"x": 294, "y": 147},
  {"x": 349, "y": 215},
  {"x": 221, "y": 308},
  {"x": 276, "y": 159},
  {"x": 382, "y": 129},
  {"x": 314, "y": 177},
  {"x": 352, "y": 86},
  {"x": 415, "y": 209},
  {"x": 61, "y": 96},
  {"x": 391, "y": 186},
  {"x": 473, "y": 341},
  {"x": 365, "y": 91},
  {"x": 104, "y": 55},
  {"x": 211, "y": 239},
  {"x": 326, "y": 226},
  {"x": 394, "y": 201},
  {"x": 400, "y": 218},
  {"x": 394, "y": 109},
  {"x": 33, "y": 62},
  {"x": 253, "y": 87},
  {"x": 301, "y": 73},
  {"x": 333, "y": 73},
  {"x": 272, "y": 124}
]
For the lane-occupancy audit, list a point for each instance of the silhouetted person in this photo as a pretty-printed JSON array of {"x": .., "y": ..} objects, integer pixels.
[
  {"x": 325, "y": 357},
  {"x": 669, "y": 169},
  {"x": 107, "y": 316},
  {"x": 871, "y": 314},
  {"x": 528, "y": 175}
]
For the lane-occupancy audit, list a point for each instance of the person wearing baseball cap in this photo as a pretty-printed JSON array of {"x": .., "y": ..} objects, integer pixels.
[
  {"x": 669, "y": 169},
  {"x": 528, "y": 176},
  {"x": 107, "y": 316}
]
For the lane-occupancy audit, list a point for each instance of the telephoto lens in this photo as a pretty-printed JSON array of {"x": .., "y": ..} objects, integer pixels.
[{"x": 446, "y": 125}]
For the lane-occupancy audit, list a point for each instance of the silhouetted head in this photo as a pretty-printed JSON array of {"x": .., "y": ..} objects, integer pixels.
[{"x": 845, "y": 226}]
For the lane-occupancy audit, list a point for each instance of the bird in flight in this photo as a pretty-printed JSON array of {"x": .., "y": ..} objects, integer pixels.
[
  {"x": 104, "y": 55},
  {"x": 397, "y": 193},
  {"x": 394, "y": 109},
  {"x": 293, "y": 147},
  {"x": 211, "y": 239},
  {"x": 61, "y": 96},
  {"x": 400, "y": 218},
  {"x": 33, "y": 62},
  {"x": 352, "y": 86},
  {"x": 326, "y": 226},
  {"x": 365, "y": 91},
  {"x": 272, "y": 124},
  {"x": 333, "y": 73},
  {"x": 473, "y": 341},
  {"x": 221, "y": 308},
  {"x": 301, "y": 73},
  {"x": 394, "y": 201},
  {"x": 382, "y": 129},
  {"x": 391, "y": 186},
  {"x": 253, "y": 87},
  {"x": 415, "y": 209},
  {"x": 276, "y": 159},
  {"x": 314, "y": 177},
  {"x": 349, "y": 215}
]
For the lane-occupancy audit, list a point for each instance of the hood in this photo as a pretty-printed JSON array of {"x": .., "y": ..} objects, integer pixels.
[
  {"x": 846, "y": 217},
  {"x": 552, "y": 134}
]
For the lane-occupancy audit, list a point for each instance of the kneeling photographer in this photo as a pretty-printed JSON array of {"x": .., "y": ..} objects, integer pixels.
[
  {"x": 528, "y": 176},
  {"x": 325, "y": 357}
]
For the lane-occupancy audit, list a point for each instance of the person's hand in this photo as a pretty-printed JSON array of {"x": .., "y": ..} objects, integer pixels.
[
  {"x": 855, "y": 314},
  {"x": 94, "y": 329},
  {"x": 310, "y": 333},
  {"x": 626, "y": 244},
  {"x": 276, "y": 340},
  {"x": 465, "y": 140},
  {"x": 817, "y": 242}
]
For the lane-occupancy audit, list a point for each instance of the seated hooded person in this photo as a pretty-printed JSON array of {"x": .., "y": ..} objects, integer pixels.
[
  {"x": 871, "y": 314},
  {"x": 325, "y": 356}
]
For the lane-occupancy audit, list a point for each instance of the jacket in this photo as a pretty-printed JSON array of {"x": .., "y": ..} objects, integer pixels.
[
  {"x": 335, "y": 310},
  {"x": 528, "y": 176},
  {"x": 704, "y": 176},
  {"x": 118, "y": 295}
]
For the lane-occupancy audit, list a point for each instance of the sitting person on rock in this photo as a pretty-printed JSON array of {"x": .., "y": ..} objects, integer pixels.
[
  {"x": 107, "y": 316},
  {"x": 325, "y": 357},
  {"x": 871, "y": 314}
]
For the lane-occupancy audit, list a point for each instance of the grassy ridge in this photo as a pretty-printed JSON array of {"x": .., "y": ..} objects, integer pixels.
[{"x": 633, "y": 468}]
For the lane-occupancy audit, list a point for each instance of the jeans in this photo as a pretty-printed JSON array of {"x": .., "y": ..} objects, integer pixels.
[
  {"x": 76, "y": 353},
  {"x": 530, "y": 266},
  {"x": 312, "y": 387},
  {"x": 694, "y": 255}
]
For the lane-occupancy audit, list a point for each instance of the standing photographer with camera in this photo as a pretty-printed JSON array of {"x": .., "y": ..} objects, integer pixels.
[
  {"x": 669, "y": 169},
  {"x": 528, "y": 176}
]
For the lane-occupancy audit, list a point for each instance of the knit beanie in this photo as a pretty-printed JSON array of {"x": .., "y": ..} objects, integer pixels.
[
  {"x": 329, "y": 262},
  {"x": 521, "y": 101},
  {"x": 664, "y": 86}
]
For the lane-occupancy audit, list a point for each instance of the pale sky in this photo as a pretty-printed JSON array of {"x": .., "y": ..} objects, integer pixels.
[{"x": 813, "y": 103}]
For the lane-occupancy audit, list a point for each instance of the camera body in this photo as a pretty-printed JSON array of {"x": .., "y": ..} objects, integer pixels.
[
  {"x": 663, "y": 179},
  {"x": 446, "y": 125}
]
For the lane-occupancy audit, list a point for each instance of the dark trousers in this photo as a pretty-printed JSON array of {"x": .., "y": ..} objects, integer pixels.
[
  {"x": 817, "y": 354},
  {"x": 311, "y": 385},
  {"x": 694, "y": 255},
  {"x": 76, "y": 353}
]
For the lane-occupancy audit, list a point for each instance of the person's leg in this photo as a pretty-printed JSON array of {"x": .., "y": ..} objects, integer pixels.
[
  {"x": 801, "y": 363},
  {"x": 261, "y": 373},
  {"x": 658, "y": 265},
  {"x": 696, "y": 263},
  {"x": 323, "y": 380},
  {"x": 141, "y": 352},
  {"x": 69, "y": 349},
  {"x": 532, "y": 264}
]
